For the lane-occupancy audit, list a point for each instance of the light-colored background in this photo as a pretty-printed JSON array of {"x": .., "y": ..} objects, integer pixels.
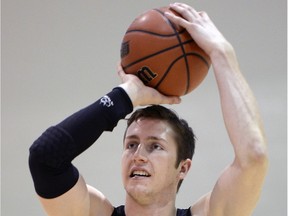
[{"x": 59, "y": 56}]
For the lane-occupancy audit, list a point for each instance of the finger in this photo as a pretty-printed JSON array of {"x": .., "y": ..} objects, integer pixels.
[
  {"x": 170, "y": 100},
  {"x": 183, "y": 6},
  {"x": 176, "y": 19},
  {"x": 119, "y": 66},
  {"x": 204, "y": 15},
  {"x": 121, "y": 73},
  {"x": 186, "y": 11}
]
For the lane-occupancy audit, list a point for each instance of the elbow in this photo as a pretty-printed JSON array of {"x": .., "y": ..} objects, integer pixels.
[
  {"x": 259, "y": 151},
  {"x": 259, "y": 155},
  {"x": 34, "y": 160},
  {"x": 259, "y": 159},
  {"x": 256, "y": 155}
]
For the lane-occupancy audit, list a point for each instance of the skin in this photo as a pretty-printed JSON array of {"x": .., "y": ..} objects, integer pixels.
[{"x": 238, "y": 188}]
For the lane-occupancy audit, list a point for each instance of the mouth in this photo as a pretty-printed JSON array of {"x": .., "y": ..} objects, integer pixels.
[{"x": 139, "y": 173}]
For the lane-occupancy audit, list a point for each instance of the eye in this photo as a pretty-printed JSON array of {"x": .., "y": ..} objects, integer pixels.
[
  {"x": 131, "y": 145},
  {"x": 156, "y": 146}
]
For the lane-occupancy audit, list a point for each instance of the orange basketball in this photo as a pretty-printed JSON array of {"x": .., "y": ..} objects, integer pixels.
[{"x": 162, "y": 54}]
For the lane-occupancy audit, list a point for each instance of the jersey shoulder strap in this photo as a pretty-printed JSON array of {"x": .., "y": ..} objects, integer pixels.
[
  {"x": 119, "y": 211},
  {"x": 184, "y": 212}
]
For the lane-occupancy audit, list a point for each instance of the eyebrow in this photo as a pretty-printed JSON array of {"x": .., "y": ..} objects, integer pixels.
[{"x": 150, "y": 138}]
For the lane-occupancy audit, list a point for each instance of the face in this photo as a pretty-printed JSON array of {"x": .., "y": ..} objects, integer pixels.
[{"x": 148, "y": 161}]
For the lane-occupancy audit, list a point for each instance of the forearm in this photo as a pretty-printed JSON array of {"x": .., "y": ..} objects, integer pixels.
[
  {"x": 51, "y": 154},
  {"x": 241, "y": 115},
  {"x": 239, "y": 107}
]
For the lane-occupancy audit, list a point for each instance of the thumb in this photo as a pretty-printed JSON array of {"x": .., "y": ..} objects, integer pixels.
[{"x": 121, "y": 72}]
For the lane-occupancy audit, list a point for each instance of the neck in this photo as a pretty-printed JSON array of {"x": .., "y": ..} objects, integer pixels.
[{"x": 151, "y": 207}]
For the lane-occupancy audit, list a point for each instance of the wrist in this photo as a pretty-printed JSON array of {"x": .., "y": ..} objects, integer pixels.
[
  {"x": 223, "y": 50},
  {"x": 130, "y": 91},
  {"x": 224, "y": 58}
]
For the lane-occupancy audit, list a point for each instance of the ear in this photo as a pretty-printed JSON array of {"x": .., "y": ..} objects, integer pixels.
[{"x": 184, "y": 168}]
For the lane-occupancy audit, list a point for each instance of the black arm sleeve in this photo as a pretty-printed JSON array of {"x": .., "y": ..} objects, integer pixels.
[{"x": 51, "y": 154}]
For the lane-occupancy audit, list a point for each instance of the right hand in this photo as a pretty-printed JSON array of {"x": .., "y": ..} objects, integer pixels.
[
  {"x": 200, "y": 27},
  {"x": 141, "y": 94}
]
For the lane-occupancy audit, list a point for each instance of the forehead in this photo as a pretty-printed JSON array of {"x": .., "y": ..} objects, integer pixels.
[{"x": 150, "y": 127}]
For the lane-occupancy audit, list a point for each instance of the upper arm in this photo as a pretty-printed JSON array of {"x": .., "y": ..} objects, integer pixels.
[
  {"x": 236, "y": 192},
  {"x": 79, "y": 200}
]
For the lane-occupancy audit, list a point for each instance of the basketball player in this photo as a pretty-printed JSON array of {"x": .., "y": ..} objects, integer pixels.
[{"x": 152, "y": 169}]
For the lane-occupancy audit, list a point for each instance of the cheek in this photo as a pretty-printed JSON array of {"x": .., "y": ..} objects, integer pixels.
[
  {"x": 125, "y": 163},
  {"x": 165, "y": 165}
]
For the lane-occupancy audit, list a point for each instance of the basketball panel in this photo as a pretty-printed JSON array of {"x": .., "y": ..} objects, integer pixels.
[
  {"x": 198, "y": 71},
  {"x": 176, "y": 80},
  {"x": 152, "y": 21},
  {"x": 138, "y": 45},
  {"x": 160, "y": 65}
]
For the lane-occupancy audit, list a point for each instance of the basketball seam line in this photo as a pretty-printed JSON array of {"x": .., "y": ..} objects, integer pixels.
[
  {"x": 182, "y": 48},
  {"x": 187, "y": 54},
  {"x": 153, "y": 33},
  {"x": 157, "y": 53}
]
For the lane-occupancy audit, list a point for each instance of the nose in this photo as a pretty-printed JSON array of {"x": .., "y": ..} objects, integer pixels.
[{"x": 140, "y": 155}]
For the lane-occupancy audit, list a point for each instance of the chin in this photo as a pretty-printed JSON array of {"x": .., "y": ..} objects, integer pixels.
[
  {"x": 138, "y": 191},
  {"x": 142, "y": 198}
]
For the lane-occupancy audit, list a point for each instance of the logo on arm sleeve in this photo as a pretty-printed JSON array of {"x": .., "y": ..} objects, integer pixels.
[{"x": 106, "y": 101}]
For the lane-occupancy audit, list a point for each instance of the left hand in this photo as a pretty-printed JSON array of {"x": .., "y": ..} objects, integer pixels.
[{"x": 141, "y": 94}]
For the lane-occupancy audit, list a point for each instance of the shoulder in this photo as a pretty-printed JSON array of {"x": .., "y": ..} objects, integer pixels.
[
  {"x": 99, "y": 204},
  {"x": 201, "y": 207}
]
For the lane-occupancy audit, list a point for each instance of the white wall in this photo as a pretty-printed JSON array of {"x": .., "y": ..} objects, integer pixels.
[{"x": 59, "y": 56}]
